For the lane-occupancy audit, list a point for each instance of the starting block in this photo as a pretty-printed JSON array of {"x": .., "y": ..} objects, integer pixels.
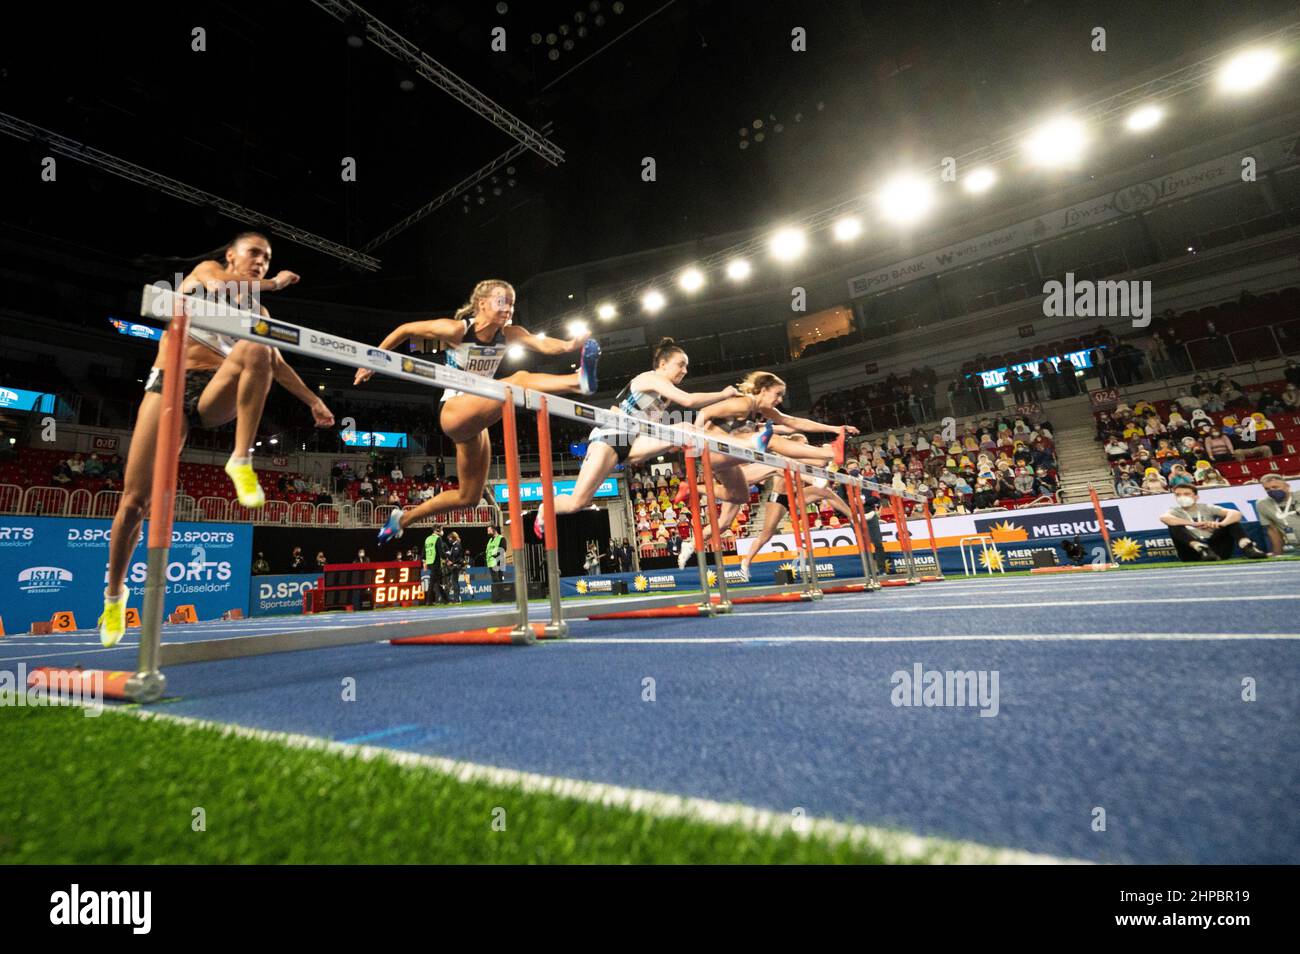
[
  {"x": 63, "y": 621},
  {"x": 42, "y": 627},
  {"x": 232, "y": 614},
  {"x": 493, "y": 635},
  {"x": 2, "y": 625},
  {"x": 79, "y": 682},
  {"x": 185, "y": 613}
]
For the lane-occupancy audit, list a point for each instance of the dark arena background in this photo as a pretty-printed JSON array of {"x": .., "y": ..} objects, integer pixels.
[{"x": 354, "y": 510}]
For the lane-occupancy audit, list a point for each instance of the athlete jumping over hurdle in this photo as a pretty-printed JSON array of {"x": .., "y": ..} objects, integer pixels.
[
  {"x": 756, "y": 412},
  {"x": 225, "y": 380},
  {"x": 475, "y": 340},
  {"x": 646, "y": 396}
]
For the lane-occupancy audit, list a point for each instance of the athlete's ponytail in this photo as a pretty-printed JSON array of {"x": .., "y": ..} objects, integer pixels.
[
  {"x": 664, "y": 351},
  {"x": 757, "y": 381},
  {"x": 481, "y": 291},
  {"x": 157, "y": 263}
]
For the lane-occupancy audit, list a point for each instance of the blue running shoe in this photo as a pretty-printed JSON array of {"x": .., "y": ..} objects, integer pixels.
[
  {"x": 587, "y": 366},
  {"x": 764, "y": 437},
  {"x": 392, "y": 530}
]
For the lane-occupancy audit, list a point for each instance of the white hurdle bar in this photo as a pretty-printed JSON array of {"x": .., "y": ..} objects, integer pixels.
[{"x": 160, "y": 302}]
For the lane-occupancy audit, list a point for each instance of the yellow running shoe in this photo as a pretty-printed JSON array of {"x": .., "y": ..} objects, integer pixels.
[
  {"x": 247, "y": 489},
  {"x": 112, "y": 622}
]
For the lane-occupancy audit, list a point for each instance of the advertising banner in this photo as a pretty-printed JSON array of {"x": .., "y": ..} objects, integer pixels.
[
  {"x": 277, "y": 595},
  {"x": 48, "y": 564}
]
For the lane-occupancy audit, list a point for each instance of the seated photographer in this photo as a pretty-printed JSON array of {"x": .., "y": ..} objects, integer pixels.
[{"x": 1202, "y": 531}]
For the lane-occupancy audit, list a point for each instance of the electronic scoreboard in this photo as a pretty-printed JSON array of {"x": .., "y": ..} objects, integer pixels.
[{"x": 366, "y": 586}]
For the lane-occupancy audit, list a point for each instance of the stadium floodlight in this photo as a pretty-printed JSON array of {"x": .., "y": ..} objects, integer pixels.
[
  {"x": 1248, "y": 70},
  {"x": 653, "y": 301},
  {"x": 738, "y": 269},
  {"x": 979, "y": 180},
  {"x": 848, "y": 228},
  {"x": 906, "y": 199},
  {"x": 606, "y": 311},
  {"x": 691, "y": 280},
  {"x": 788, "y": 244},
  {"x": 1144, "y": 118},
  {"x": 577, "y": 328},
  {"x": 1058, "y": 142}
]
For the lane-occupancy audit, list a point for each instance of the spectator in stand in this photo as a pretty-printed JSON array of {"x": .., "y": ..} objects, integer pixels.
[
  {"x": 1153, "y": 483},
  {"x": 1279, "y": 513},
  {"x": 361, "y": 556},
  {"x": 1292, "y": 373},
  {"x": 1126, "y": 485},
  {"x": 94, "y": 467},
  {"x": 366, "y": 488},
  {"x": 1291, "y": 397},
  {"x": 1207, "y": 476},
  {"x": 1203, "y": 531},
  {"x": 1046, "y": 484},
  {"x": 297, "y": 562},
  {"x": 396, "y": 473},
  {"x": 1117, "y": 449},
  {"x": 1219, "y": 446},
  {"x": 76, "y": 465},
  {"x": 260, "y": 566},
  {"x": 320, "y": 561},
  {"x": 1179, "y": 477},
  {"x": 984, "y": 496}
]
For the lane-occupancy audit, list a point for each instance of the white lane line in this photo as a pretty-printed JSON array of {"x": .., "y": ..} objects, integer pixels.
[
  {"x": 1025, "y": 604},
  {"x": 962, "y": 638},
  {"x": 895, "y": 845}
]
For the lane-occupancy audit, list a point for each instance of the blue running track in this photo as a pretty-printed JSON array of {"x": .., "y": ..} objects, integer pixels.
[{"x": 1120, "y": 691}]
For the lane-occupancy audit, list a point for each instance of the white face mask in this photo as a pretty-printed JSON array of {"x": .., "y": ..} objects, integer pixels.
[{"x": 1186, "y": 500}]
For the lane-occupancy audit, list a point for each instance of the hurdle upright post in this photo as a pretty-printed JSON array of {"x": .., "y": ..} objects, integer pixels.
[
  {"x": 856, "y": 511},
  {"x": 522, "y": 633},
  {"x": 148, "y": 684},
  {"x": 934, "y": 548},
  {"x": 711, "y": 500},
  {"x": 811, "y": 587},
  {"x": 697, "y": 533},
  {"x": 557, "y": 627},
  {"x": 1101, "y": 524}
]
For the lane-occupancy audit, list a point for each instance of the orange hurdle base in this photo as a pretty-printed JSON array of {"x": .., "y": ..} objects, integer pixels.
[
  {"x": 769, "y": 598},
  {"x": 111, "y": 685},
  {"x": 658, "y": 612},
  {"x": 492, "y": 636}
]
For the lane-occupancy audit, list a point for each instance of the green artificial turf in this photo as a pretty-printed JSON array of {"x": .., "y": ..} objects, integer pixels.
[{"x": 121, "y": 790}]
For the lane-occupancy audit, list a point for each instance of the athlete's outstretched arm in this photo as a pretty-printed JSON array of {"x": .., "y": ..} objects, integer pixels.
[
  {"x": 441, "y": 329},
  {"x": 287, "y": 378},
  {"x": 806, "y": 425},
  {"x": 213, "y": 276},
  {"x": 684, "y": 398}
]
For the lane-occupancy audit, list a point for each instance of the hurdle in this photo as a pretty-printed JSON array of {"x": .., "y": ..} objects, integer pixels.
[{"x": 158, "y": 301}]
